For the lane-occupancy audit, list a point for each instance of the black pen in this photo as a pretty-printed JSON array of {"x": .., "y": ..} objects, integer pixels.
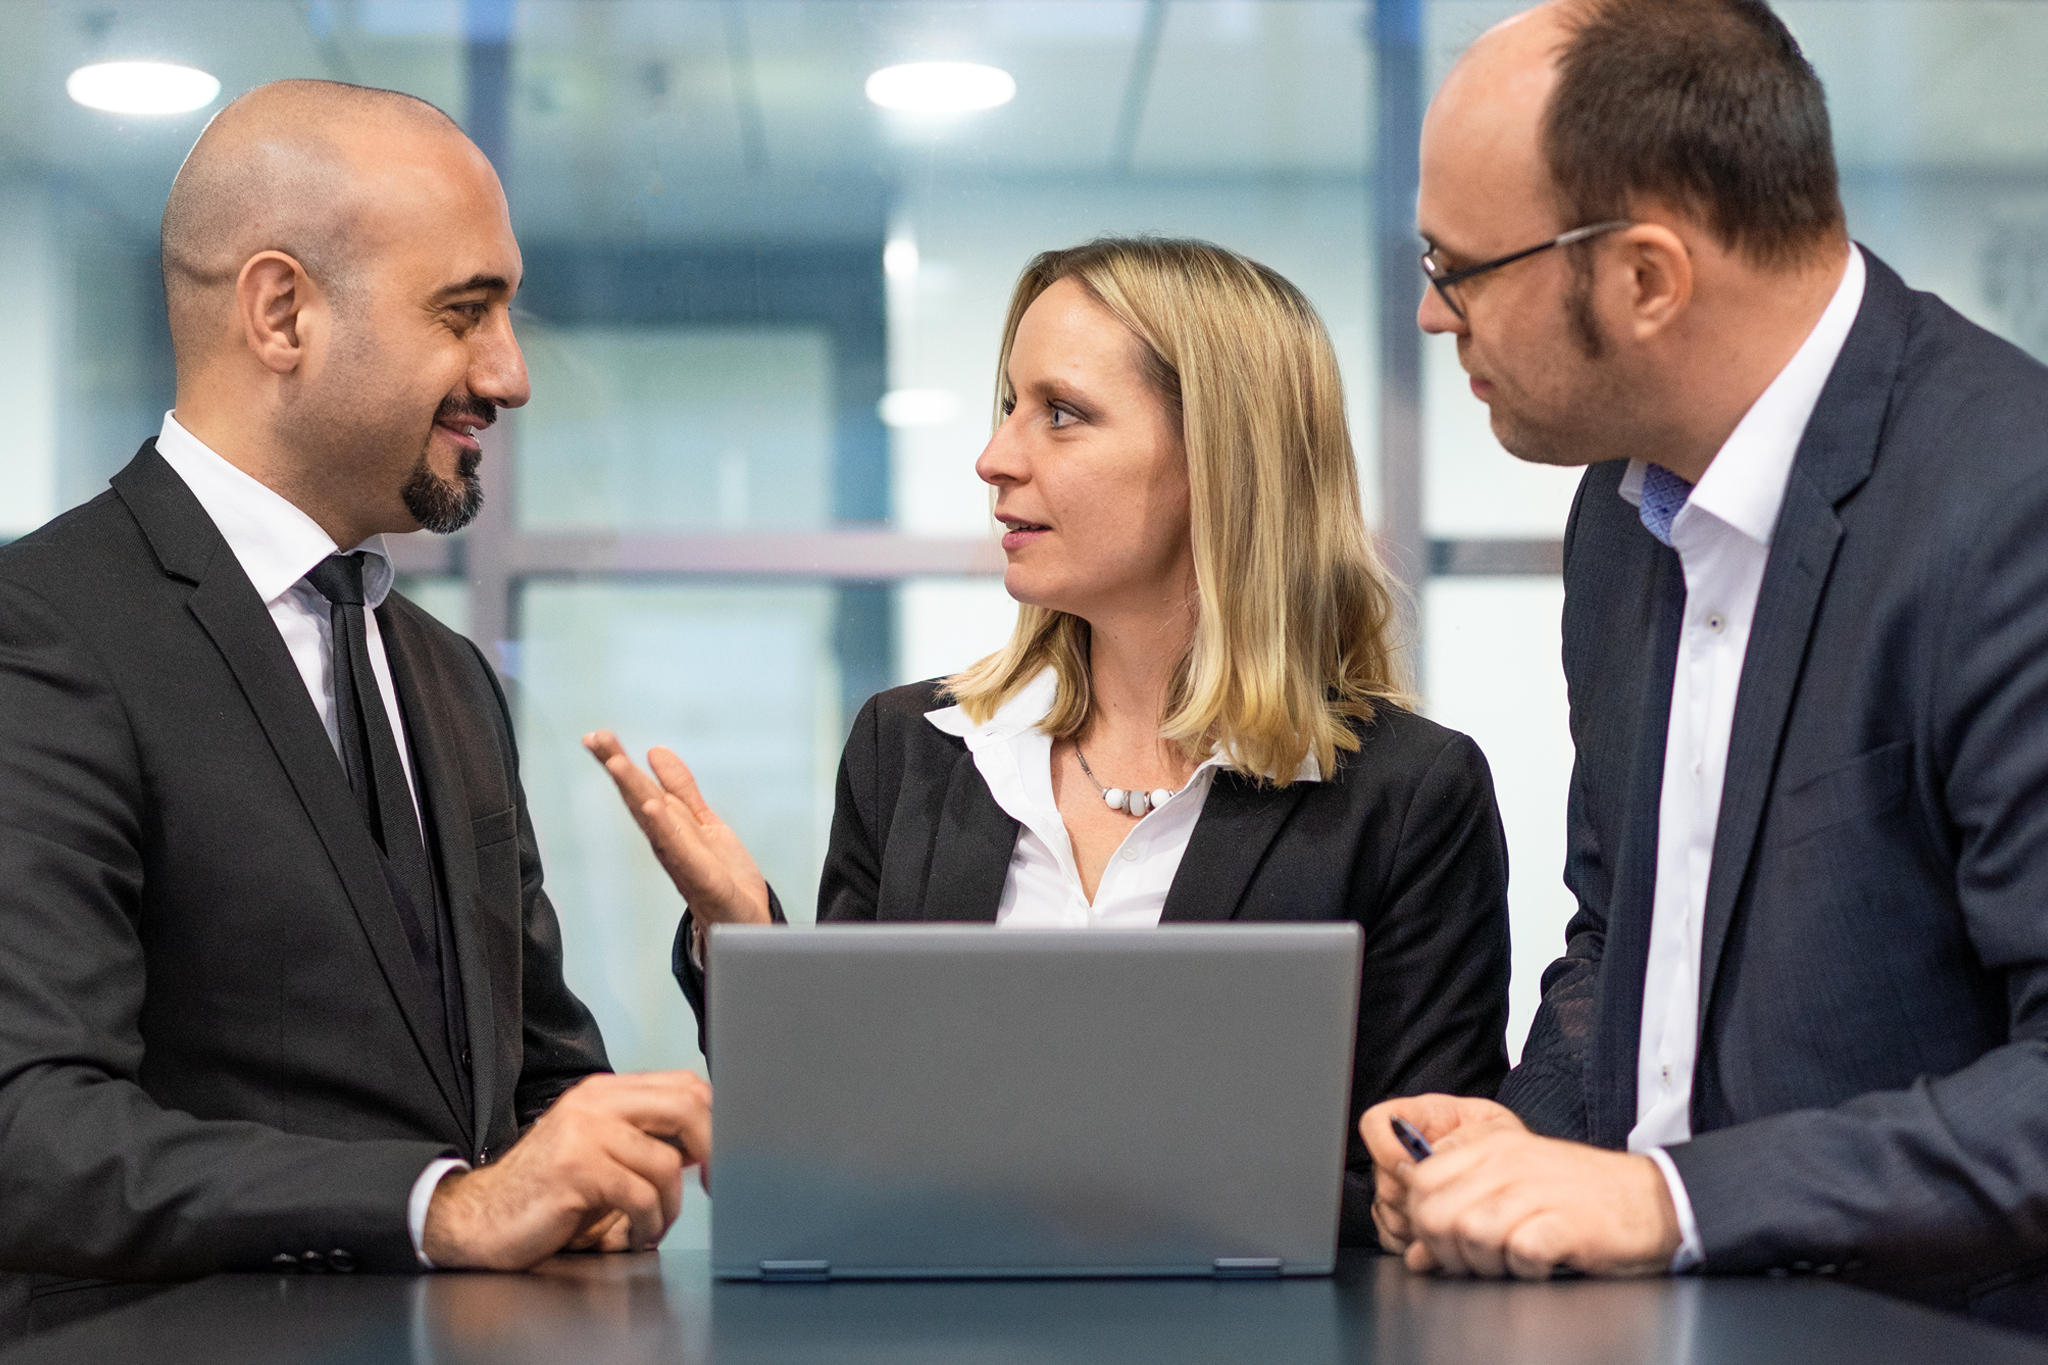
[{"x": 1406, "y": 1134}]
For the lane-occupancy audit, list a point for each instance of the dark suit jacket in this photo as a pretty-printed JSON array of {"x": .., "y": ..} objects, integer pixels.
[
  {"x": 1403, "y": 838},
  {"x": 215, "y": 1047},
  {"x": 1872, "y": 1084}
]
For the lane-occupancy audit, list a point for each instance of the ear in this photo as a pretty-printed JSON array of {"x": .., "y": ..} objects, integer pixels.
[
  {"x": 280, "y": 309},
  {"x": 1660, "y": 277}
]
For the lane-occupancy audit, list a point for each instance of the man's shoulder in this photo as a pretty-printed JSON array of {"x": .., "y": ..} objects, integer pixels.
[
  {"x": 1958, "y": 388},
  {"x": 94, "y": 532}
]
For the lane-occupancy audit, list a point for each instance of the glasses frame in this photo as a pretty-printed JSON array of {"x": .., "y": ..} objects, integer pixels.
[{"x": 1449, "y": 280}]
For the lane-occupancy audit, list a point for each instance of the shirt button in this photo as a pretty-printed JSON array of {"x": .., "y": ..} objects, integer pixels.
[
  {"x": 1130, "y": 853},
  {"x": 1716, "y": 622}
]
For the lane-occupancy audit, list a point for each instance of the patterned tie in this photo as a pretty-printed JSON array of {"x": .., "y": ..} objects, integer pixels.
[
  {"x": 1664, "y": 493},
  {"x": 369, "y": 751}
]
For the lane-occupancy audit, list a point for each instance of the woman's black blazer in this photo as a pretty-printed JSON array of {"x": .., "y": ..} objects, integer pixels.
[{"x": 1402, "y": 838}]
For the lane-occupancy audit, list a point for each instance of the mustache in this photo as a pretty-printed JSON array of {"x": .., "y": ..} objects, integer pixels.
[{"x": 480, "y": 410}]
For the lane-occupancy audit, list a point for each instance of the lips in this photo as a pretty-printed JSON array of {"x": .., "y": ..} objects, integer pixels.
[{"x": 1018, "y": 532}]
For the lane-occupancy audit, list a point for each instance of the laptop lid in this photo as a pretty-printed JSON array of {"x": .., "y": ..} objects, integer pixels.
[{"x": 960, "y": 1100}]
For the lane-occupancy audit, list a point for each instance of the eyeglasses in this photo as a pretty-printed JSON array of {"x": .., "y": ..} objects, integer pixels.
[{"x": 1448, "y": 280}]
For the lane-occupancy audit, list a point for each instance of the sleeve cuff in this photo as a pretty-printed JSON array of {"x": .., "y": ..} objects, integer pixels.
[
  {"x": 423, "y": 1195},
  {"x": 1689, "y": 1254}
]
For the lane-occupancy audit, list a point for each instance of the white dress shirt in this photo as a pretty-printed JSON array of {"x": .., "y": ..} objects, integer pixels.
[
  {"x": 1723, "y": 539},
  {"x": 1043, "y": 887},
  {"x": 276, "y": 544}
]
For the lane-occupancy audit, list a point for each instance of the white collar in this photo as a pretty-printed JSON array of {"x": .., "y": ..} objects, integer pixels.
[
  {"x": 275, "y": 542},
  {"x": 1028, "y": 707},
  {"x": 1744, "y": 486}
]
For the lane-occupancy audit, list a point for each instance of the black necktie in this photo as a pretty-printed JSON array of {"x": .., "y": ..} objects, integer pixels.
[{"x": 369, "y": 752}]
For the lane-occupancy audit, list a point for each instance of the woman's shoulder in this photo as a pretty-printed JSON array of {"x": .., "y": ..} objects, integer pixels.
[
  {"x": 893, "y": 729},
  {"x": 909, "y": 704},
  {"x": 1398, "y": 745}
]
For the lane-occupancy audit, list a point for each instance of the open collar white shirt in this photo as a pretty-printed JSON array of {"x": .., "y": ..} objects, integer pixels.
[
  {"x": 1042, "y": 889},
  {"x": 276, "y": 543},
  {"x": 1723, "y": 539}
]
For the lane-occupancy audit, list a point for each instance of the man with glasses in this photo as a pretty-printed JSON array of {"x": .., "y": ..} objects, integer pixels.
[{"x": 1801, "y": 1023}]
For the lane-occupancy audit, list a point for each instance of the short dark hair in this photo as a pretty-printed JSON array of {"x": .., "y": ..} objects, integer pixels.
[{"x": 1707, "y": 105}]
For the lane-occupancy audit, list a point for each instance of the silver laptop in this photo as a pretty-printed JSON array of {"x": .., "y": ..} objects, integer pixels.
[{"x": 897, "y": 1101}]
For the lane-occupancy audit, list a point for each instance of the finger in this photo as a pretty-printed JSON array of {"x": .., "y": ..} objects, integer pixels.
[
  {"x": 1419, "y": 1258},
  {"x": 1446, "y": 1215},
  {"x": 1538, "y": 1245},
  {"x": 1477, "y": 1216},
  {"x": 654, "y": 1161},
  {"x": 1481, "y": 1244},
  {"x": 594, "y": 1233},
  {"x": 618, "y": 1236},
  {"x": 677, "y": 779},
  {"x": 1375, "y": 1127},
  {"x": 619, "y": 1187},
  {"x": 1392, "y": 1228},
  {"x": 674, "y": 1106},
  {"x": 602, "y": 744},
  {"x": 636, "y": 788}
]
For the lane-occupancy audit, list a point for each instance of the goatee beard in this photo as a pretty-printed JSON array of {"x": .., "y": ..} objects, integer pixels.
[{"x": 440, "y": 505}]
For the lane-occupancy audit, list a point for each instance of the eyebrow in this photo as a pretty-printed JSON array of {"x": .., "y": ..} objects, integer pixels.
[{"x": 489, "y": 284}]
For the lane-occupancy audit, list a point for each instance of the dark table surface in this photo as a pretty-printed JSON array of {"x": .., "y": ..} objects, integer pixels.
[{"x": 666, "y": 1307}]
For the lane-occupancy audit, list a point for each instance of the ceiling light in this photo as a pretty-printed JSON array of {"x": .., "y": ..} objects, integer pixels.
[
  {"x": 940, "y": 87},
  {"x": 141, "y": 87},
  {"x": 900, "y": 260},
  {"x": 919, "y": 407}
]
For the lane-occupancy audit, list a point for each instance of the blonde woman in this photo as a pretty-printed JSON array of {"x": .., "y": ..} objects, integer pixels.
[{"x": 1199, "y": 716}]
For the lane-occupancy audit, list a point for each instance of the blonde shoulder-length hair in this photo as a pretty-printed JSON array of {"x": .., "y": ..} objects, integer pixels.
[{"x": 1294, "y": 618}]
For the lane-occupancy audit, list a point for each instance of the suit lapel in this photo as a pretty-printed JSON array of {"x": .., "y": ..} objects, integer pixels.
[
  {"x": 447, "y": 819},
  {"x": 1611, "y": 1069},
  {"x": 1239, "y": 821},
  {"x": 1835, "y": 457},
  {"x": 972, "y": 842},
  {"x": 227, "y": 608}
]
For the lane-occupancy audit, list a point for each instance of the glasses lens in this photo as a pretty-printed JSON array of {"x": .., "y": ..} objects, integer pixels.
[{"x": 1435, "y": 273}]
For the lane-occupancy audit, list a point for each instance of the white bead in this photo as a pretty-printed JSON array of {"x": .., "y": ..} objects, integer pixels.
[
  {"x": 1136, "y": 804},
  {"x": 1114, "y": 798},
  {"x": 1160, "y": 797}
]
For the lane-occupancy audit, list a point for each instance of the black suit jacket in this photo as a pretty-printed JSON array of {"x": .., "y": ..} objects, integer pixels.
[
  {"x": 215, "y": 1047},
  {"x": 1872, "y": 1083},
  {"x": 1402, "y": 838}
]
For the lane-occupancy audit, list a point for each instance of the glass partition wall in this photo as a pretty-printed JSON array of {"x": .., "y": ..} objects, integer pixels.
[{"x": 761, "y": 314}]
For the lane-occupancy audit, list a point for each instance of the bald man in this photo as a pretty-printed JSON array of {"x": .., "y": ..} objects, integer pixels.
[
  {"x": 282, "y": 988},
  {"x": 1801, "y": 1022}
]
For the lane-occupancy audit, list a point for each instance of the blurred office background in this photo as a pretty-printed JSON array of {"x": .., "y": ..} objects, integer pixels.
[{"x": 761, "y": 314}]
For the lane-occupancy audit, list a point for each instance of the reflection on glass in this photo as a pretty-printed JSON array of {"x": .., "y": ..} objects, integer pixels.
[{"x": 741, "y": 682}]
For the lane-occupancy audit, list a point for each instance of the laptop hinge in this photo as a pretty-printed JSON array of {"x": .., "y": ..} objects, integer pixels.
[
  {"x": 801, "y": 1272},
  {"x": 1247, "y": 1268}
]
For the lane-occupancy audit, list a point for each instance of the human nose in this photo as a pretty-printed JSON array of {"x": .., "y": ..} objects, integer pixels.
[
  {"x": 498, "y": 368},
  {"x": 1434, "y": 314},
  {"x": 1002, "y": 461}
]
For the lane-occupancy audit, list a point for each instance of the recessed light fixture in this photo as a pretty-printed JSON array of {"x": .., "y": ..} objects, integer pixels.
[
  {"x": 147, "y": 88},
  {"x": 900, "y": 259},
  {"x": 940, "y": 87},
  {"x": 919, "y": 407}
]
